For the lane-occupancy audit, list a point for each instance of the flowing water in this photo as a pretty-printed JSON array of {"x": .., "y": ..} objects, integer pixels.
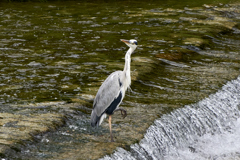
[
  {"x": 208, "y": 129},
  {"x": 55, "y": 55}
]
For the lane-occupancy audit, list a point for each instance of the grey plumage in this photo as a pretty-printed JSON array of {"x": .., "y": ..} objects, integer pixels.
[
  {"x": 106, "y": 94},
  {"x": 112, "y": 91}
]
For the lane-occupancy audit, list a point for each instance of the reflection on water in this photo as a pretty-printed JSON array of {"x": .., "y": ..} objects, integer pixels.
[{"x": 62, "y": 51}]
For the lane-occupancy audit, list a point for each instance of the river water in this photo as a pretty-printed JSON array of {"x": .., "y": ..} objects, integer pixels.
[{"x": 55, "y": 55}]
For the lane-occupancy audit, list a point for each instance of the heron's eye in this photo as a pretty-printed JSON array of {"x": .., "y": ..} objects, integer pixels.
[{"x": 133, "y": 42}]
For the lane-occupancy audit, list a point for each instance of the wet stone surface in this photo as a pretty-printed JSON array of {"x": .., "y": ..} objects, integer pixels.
[{"x": 54, "y": 57}]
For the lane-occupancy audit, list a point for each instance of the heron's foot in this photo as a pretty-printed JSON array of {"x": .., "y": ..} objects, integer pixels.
[
  {"x": 123, "y": 112},
  {"x": 112, "y": 138}
]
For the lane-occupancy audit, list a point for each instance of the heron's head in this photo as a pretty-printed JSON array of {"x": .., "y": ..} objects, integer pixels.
[{"x": 131, "y": 43}]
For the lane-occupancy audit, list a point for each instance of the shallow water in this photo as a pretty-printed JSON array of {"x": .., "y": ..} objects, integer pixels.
[{"x": 54, "y": 56}]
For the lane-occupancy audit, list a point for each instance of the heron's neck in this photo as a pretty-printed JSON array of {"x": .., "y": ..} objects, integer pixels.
[
  {"x": 128, "y": 60},
  {"x": 127, "y": 64}
]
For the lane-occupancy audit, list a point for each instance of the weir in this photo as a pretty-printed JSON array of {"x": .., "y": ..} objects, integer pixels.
[{"x": 187, "y": 133}]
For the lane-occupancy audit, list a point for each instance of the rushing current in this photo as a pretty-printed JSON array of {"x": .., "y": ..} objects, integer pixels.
[{"x": 209, "y": 129}]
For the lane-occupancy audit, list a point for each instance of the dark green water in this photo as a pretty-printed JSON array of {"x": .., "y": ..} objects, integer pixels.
[
  {"x": 62, "y": 51},
  {"x": 52, "y": 51}
]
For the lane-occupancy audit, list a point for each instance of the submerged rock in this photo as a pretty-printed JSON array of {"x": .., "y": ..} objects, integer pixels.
[{"x": 16, "y": 127}]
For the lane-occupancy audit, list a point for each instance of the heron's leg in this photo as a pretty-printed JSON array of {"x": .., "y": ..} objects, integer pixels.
[
  {"x": 123, "y": 112},
  {"x": 110, "y": 127}
]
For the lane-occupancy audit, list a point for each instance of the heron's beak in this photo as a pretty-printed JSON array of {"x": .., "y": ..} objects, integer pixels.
[{"x": 125, "y": 41}]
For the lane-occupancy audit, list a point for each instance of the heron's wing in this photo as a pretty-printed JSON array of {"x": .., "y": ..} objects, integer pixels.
[{"x": 108, "y": 91}]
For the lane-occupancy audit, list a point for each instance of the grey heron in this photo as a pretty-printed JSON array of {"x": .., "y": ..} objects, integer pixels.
[{"x": 112, "y": 91}]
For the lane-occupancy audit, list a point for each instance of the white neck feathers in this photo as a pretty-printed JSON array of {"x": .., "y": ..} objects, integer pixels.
[{"x": 127, "y": 67}]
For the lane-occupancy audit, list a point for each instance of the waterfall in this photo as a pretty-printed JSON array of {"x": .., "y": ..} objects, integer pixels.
[{"x": 208, "y": 129}]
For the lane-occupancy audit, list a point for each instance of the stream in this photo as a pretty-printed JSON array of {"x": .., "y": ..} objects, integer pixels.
[{"x": 184, "y": 98}]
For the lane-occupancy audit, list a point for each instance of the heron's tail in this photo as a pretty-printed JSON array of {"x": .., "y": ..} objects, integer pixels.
[
  {"x": 94, "y": 119},
  {"x": 97, "y": 120}
]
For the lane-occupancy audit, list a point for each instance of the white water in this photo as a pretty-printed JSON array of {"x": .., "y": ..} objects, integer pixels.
[{"x": 209, "y": 129}]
